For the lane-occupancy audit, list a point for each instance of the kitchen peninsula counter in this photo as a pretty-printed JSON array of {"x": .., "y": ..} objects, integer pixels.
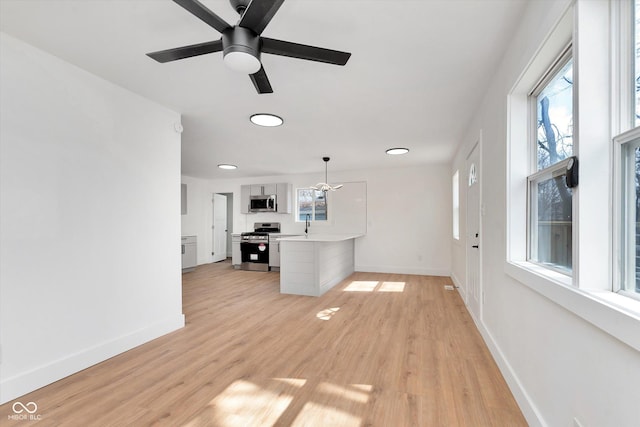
[{"x": 311, "y": 265}]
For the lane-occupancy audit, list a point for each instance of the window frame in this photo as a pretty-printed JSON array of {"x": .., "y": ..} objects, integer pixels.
[
  {"x": 556, "y": 65},
  {"x": 535, "y": 175},
  {"x": 622, "y": 246},
  {"x": 313, "y": 216},
  {"x": 626, "y": 129},
  {"x": 455, "y": 195},
  {"x": 554, "y": 171}
]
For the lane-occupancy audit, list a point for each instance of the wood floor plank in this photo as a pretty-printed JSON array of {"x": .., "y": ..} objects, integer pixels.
[{"x": 376, "y": 350}]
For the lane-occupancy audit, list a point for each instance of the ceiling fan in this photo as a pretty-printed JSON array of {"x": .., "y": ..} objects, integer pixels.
[{"x": 242, "y": 43}]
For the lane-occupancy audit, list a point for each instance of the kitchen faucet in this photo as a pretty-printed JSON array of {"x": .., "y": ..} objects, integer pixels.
[{"x": 307, "y": 224}]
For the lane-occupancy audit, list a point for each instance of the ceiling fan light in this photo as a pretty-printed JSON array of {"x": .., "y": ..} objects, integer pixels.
[
  {"x": 397, "y": 151},
  {"x": 242, "y": 62},
  {"x": 266, "y": 119}
]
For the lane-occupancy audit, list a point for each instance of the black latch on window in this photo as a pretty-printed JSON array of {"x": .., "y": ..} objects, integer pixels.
[{"x": 571, "y": 177}]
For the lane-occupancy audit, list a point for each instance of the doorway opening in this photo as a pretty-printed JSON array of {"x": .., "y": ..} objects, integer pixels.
[{"x": 222, "y": 226}]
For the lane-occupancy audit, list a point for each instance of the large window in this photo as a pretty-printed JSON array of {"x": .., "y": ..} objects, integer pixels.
[
  {"x": 311, "y": 204},
  {"x": 629, "y": 187},
  {"x": 550, "y": 200},
  {"x": 627, "y": 175},
  {"x": 456, "y": 204},
  {"x": 636, "y": 56}
]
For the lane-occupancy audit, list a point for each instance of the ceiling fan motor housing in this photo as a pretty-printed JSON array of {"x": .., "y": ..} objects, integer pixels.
[
  {"x": 237, "y": 43},
  {"x": 240, "y": 5}
]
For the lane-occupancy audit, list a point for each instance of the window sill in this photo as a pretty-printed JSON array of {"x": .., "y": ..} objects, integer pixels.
[{"x": 617, "y": 315}]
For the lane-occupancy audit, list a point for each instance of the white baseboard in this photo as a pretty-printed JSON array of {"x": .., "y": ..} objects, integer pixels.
[
  {"x": 401, "y": 270},
  {"x": 456, "y": 281},
  {"x": 26, "y": 382},
  {"x": 532, "y": 415}
]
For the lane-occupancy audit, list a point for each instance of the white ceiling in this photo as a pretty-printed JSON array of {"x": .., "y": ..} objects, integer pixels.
[{"x": 417, "y": 73}]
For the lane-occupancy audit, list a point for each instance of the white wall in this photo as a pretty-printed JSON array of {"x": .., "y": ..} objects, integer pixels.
[
  {"x": 408, "y": 216},
  {"x": 558, "y": 365},
  {"x": 89, "y": 219}
]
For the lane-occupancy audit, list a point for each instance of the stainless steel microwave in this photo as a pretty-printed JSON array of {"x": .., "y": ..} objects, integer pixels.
[{"x": 264, "y": 203}]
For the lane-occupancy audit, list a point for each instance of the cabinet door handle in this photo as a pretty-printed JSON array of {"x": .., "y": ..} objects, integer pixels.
[
  {"x": 475, "y": 246},
  {"x": 182, "y": 249}
]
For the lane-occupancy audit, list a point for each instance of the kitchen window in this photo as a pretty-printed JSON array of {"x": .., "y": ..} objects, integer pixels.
[{"x": 312, "y": 203}]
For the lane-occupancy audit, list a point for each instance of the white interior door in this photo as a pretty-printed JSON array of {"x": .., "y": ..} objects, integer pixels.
[
  {"x": 474, "y": 277},
  {"x": 219, "y": 252}
]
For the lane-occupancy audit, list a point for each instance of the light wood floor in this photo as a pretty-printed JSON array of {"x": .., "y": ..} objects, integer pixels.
[{"x": 377, "y": 350}]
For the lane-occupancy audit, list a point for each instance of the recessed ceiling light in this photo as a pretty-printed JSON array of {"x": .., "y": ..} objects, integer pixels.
[
  {"x": 395, "y": 151},
  {"x": 265, "y": 119},
  {"x": 229, "y": 167}
]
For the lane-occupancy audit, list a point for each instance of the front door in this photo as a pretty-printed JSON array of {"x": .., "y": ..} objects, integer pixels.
[
  {"x": 474, "y": 277},
  {"x": 219, "y": 252}
]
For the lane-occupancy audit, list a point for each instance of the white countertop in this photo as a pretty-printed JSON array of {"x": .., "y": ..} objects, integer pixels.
[{"x": 320, "y": 238}]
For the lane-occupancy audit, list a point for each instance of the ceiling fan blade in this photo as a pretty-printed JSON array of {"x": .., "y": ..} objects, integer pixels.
[
  {"x": 261, "y": 82},
  {"x": 302, "y": 51},
  {"x": 206, "y": 15},
  {"x": 259, "y": 14},
  {"x": 186, "y": 51}
]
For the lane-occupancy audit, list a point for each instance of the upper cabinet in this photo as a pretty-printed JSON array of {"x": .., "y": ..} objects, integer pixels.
[
  {"x": 263, "y": 189},
  {"x": 281, "y": 191},
  {"x": 283, "y": 198},
  {"x": 245, "y": 197}
]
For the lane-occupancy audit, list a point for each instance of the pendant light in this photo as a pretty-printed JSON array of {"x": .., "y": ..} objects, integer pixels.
[{"x": 325, "y": 186}]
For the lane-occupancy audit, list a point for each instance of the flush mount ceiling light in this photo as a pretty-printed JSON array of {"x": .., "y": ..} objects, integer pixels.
[
  {"x": 266, "y": 119},
  {"x": 325, "y": 186},
  {"x": 228, "y": 167},
  {"x": 396, "y": 151}
]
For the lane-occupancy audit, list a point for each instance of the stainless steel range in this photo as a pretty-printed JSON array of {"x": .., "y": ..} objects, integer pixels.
[{"x": 254, "y": 246}]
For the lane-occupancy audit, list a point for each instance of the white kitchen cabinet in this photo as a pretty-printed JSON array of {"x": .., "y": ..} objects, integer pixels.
[
  {"x": 236, "y": 255},
  {"x": 245, "y": 196},
  {"x": 268, "y": 189},
  {"x": 282, "y": 192},
  {"x": 263, "y": 189},
  {"x": 274, "y": 254},
  {"x": 274, "y": 250},
  {"x": 283, "y": 198},
  {"x": 189, "y": 253}
]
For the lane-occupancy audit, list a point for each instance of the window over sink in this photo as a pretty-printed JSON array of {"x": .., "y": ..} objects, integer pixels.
[{"x": 311, "y": 202}]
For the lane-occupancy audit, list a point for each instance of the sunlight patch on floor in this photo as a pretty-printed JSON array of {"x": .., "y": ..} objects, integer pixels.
[
  {"x": 296, "y": 382},
  {"x": 315, "y": 414},
  {"x": 246, "y": 404},
  {"x": 392, "y": 287},
  {"x": 356, "y": 393},
  {"x": 361, "y": 286},
  {"x": 327, "y": 314},
  {"x": 374, "y": 286},
  {"x": 266, "y": 402}
]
